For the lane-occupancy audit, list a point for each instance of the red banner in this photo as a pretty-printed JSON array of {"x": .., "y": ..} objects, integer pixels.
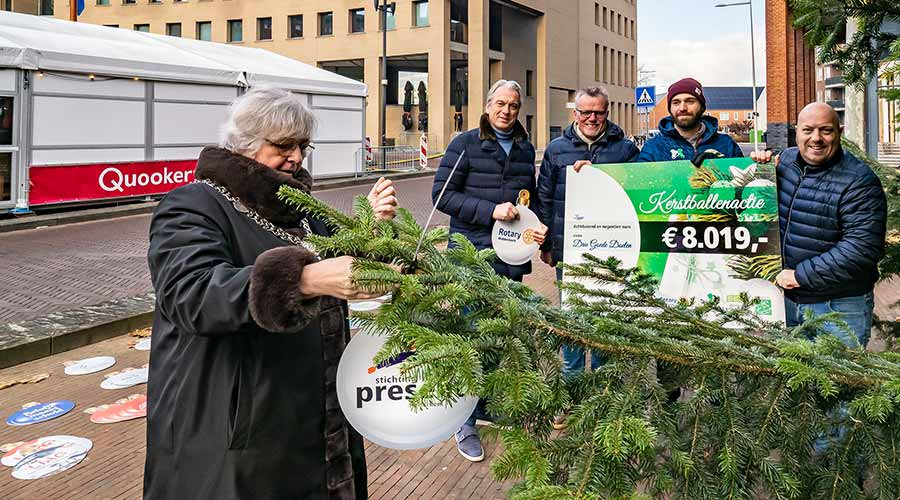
[{"x": 69, "y": 183}]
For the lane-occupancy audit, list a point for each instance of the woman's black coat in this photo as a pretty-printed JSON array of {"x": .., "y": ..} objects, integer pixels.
[{"x": 242, "y": 403}]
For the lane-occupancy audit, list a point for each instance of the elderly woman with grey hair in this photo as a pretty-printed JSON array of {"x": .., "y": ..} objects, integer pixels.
[{"x": 250, "y": 324}]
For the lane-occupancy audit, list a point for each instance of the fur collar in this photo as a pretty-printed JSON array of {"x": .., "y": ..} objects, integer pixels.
[
  {"x": 486, "y": 132},
  {"x": 252, "y": 182}
]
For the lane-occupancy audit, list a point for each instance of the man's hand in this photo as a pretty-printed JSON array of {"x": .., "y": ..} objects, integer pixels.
[
  {"x": 763, "y": 157},
  {"x": 506, "y": 211},
  {"x": 383, "y": 199},
  {"x": 547, "y": 258},
  {"x": 786, "y": 279},
  {"x": 581, "y": 164},
  {"x": 540, "y": 235}
]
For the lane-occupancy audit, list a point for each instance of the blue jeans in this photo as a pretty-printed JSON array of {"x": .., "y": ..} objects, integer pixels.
[
  {"x": 855, "y": 311},
  {"x": 573, "y": 356}
]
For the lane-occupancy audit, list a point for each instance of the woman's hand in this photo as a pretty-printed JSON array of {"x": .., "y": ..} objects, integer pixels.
[
  {"x": 383, "y": 199},
  {"x": 332, "y": 277}
]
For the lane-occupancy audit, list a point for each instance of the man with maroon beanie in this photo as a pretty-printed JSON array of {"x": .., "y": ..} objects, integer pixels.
[{"x": 687, "y": 131}]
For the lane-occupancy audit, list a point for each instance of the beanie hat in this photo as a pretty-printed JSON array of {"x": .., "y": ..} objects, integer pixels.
[{"x": 685, "y": 86}]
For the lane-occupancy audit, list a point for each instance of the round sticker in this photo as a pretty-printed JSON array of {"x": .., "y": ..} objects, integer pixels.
[
  {"x": 17, "y": 454},
  {"x": 366, "y": 306},
  {"x": 134, "y": 406},
  {"x": 125, "y": 378},
  {"x": 53, "y": 460},
  {"x": 514, "y": 240},
  {"x": 89, "y": 365},
  {"x": 143, "y": 344},
  {"x": 375, "y": 400},
  {"x": 40, "y": 412}
]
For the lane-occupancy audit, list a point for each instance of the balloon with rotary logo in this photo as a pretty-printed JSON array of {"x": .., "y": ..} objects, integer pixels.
[{"x": 514, "y": 240}]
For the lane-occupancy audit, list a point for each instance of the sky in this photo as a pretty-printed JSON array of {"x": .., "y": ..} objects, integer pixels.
[{"x": 677, "y": 39}]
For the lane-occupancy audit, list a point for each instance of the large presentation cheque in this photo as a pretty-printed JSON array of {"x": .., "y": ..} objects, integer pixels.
[{"x": 703, "y": 232}]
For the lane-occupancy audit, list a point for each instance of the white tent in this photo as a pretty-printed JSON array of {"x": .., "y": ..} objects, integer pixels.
[
  {"x": 43, "y": 43},
  {"x": 88, "y": 99}
]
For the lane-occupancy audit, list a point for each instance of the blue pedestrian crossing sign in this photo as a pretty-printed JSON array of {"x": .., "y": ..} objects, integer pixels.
[{"x": 645, "y": 97}]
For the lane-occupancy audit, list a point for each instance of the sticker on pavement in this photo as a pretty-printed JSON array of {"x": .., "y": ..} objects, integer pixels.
[
  {"x": 143, "y": 344},
  {"x": 40, "y": 412},
  {"x": 126, "y": 378},
  {"x": 89, "y": 365},
  {"x": 52, "y": 460},
  {"x": 134, "y": 406},
  {"x": 23, "y": 450}
]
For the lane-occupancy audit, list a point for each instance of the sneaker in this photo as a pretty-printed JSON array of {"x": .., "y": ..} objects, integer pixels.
[
  {"x": 559, "y": 421},
  {"x": 469, "y": 444}
]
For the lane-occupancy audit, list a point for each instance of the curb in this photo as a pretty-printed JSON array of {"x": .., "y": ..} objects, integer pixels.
[
  {"x": 93, "y": 214},
  {"x": 24, "y": 341}
]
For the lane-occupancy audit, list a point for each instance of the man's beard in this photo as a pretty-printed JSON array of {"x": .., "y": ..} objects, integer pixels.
[{"x": 693, "y": 120}]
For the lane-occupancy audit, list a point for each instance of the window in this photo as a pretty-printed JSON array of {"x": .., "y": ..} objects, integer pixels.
[
  {"x": 204, "y": 30},
  {"x": 129, "y": 2},
  {"x": 605, "y": 59},
  {"x": 326, "y": 23},
  {"x": 619, "y": 23},
  {"x": 597, "y": 60},
  {"x": 263, "y": 28},
  {"x": 155, "y": 1},
  {"x": 295, "y": 26},
  {"x": 632, "y": 29},
  {"x": 724, "y": 115},
  {"x": 626, "y": 28},
  {"x": 597, "y": 13},
  {"x": 357, "y": 20},
  {"x": 173, "y": 29},
  {"x": 235, "y": 30},
  {"x": 111, "y": 25},
  {"x": 391, "y": 21},
  {"x": 529, "y": 123},
  {"x": 102, "y": 2},
  {"x": 420, "y": 13},
  {"x": 605, "y": 25},
  {"x": 46, "y": 7},
  {"x": 142, "y": 27},
  {"x": 529, "y": 83}
]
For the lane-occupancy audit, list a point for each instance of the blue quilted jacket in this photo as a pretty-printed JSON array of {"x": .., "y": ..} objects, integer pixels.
[
  {"x": 832, "y": 221},
  {"x": 562, "y": 152},
  {"x": 669, "y": 145},
  {"x": 485, "y": 178}
]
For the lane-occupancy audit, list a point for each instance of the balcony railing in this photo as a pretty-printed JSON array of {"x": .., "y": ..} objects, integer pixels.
[
  {"x": 834, "y": 80},
  {"x": 838, "y": 105}
]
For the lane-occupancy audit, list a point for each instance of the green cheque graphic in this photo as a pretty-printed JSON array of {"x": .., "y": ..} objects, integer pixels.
[{"x": 702, "y": 231}]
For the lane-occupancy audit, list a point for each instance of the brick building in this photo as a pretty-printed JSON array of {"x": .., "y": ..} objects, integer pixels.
[{"x": 790, "y": 74}]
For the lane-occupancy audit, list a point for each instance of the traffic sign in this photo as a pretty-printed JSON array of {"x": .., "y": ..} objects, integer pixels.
[{"x": 645, "y": 97}]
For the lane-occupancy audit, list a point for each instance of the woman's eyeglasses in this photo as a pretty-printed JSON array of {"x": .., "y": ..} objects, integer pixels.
[{"x": 287, "y": 148}]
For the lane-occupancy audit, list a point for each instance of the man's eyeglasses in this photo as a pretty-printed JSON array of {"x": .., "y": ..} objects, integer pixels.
[
  {"x": 588, "y": 113},
  {"x": 287, "y": 148}
]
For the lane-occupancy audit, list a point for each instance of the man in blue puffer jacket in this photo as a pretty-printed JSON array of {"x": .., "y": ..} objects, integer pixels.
[
  {"x": 590, "y": 139},
  {"x": 687, "y": 132},
  {"x": 832, "y": 212},
  {"x": 498, "y": 164}
]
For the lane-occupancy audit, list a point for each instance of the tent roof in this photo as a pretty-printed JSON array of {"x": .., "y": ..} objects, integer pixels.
[{"x": 33, "y": 42}]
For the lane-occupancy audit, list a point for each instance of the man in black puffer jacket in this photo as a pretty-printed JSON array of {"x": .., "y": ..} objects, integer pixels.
[
  {"x": 590, "y": 139},
  {"x": 498, "y": 164},
  {"x": 832, "y": 212}
]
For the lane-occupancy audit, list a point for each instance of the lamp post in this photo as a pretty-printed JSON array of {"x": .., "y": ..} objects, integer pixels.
[
  {"x": 753, "y": 63},
  {"x": 384, "y": 8}
]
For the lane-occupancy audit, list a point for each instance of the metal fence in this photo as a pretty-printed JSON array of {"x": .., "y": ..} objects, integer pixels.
[{"x": 386, "y": 159}]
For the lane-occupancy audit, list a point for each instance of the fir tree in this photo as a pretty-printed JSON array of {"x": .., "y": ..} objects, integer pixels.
[{"x": 761, "y": 394}]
